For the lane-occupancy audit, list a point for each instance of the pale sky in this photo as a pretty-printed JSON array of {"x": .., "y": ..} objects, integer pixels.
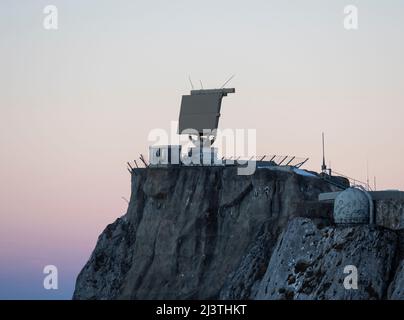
[{"x": 78, "y": 102}]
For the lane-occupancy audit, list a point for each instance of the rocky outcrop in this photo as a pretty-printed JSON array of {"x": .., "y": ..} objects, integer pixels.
[
  {"x": 207, "y": 233},
  {"x": 109, "y": 263},
  {"x": 187, "y": 229},
  {"x": 312, "y": 263},
  {"x": 396, "y": 290}
]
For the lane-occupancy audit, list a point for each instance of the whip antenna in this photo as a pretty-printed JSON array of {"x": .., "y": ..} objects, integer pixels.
[
  {"x": 190, "y": 81},
  {"x": 227, "y": 81}
]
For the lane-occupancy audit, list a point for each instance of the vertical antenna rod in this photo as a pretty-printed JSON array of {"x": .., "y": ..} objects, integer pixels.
[
  {"x": 367, "y": 174},
  {"x": 323, "y": 167},
  {"x": 190, "y": 81}
]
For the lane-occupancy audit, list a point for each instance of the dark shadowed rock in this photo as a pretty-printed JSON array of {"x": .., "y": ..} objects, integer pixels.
[
  {"x": 242, "y": 283},
  {"x": 111, "y": 258},
  {"x": 396, "y": 289}
]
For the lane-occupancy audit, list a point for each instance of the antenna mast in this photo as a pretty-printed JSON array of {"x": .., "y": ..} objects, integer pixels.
[
  {"x": 190, "y": 81},
  {"x": 367, "y": 174},
  {"x": 323, "y": 166},
  {"x": 227, "y": 81}
]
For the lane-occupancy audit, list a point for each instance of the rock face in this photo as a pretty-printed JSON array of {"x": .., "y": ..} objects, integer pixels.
[
  {"x": 396, "y": 290},
  {"x": 207, "y": 233},
  {"x": 309, "y": 262}
]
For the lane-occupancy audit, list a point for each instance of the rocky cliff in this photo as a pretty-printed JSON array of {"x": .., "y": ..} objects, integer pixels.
[{"x": 207, "y": 233}]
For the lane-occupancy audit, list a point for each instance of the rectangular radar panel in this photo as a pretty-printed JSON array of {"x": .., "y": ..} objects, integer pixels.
[{"x": 201, "y": 110}]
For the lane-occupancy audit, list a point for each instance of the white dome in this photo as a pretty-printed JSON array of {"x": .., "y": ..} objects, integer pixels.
[{"x": 351, "y": 206}]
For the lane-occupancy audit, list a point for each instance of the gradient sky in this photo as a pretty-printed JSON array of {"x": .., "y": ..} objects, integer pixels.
[{"x": 77, "y": 103}]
